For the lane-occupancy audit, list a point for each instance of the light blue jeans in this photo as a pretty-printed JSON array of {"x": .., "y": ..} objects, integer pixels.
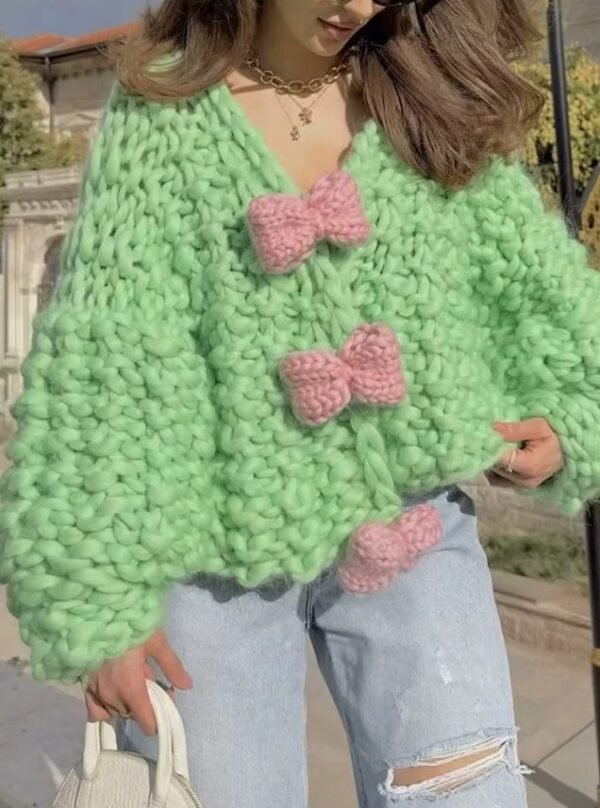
[{"x": 418, "y": 672}]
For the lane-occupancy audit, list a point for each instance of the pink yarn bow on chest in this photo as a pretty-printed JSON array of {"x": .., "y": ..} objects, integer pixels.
[
  {"x": 367, "y": 369},
  {"x": 285, "y": 229}
]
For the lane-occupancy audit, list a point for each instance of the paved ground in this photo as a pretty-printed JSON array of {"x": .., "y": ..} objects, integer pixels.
[{"x": 41, "y": 729}]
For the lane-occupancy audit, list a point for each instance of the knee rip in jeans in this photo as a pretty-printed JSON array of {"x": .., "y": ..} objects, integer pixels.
[{"x": 439, "y": 776}]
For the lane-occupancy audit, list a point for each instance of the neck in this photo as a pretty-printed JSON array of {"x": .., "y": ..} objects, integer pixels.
[{"x": 280, "y": 52}]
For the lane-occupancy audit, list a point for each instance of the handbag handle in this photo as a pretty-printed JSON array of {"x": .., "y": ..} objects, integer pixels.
[{"x": 172, "y": 748}]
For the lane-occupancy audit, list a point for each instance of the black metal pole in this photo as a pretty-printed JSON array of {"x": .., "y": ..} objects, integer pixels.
[
  {"x": 592, "y": 522},
  {"x": 571, "y": 210},
  {"x": 568, "y": 194}
]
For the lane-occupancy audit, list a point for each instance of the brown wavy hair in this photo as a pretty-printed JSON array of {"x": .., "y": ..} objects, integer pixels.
[{"x": 445, "y": 93}]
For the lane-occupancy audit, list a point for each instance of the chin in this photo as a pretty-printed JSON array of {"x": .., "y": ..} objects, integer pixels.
[{"x": 320, "y": 48}]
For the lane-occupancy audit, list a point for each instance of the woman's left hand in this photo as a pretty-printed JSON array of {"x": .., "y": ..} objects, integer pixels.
[{"x": 538, "y": 457}]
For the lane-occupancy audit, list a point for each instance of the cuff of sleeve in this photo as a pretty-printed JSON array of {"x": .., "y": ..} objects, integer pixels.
[
  {"x": 73, "y": 639},
  {"x": 576, "y": 421}
]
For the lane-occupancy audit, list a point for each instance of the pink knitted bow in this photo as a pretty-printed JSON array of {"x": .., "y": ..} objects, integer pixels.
[
  {"x": 367, "y": 369},
  {"x": 378, "y": 552},
  {"x": 285, "y": 229}
]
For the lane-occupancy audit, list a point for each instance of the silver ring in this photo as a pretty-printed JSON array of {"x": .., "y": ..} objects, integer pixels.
[
  {"x": 116, "y": 714},
  {"x": 513, "y": 457}
]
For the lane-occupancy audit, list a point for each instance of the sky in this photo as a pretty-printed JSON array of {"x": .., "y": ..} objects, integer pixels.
[{"x": 20, "y": 18}]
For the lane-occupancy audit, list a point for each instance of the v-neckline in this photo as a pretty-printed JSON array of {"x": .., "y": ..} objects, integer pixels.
[{"x": 223, "y": 97}]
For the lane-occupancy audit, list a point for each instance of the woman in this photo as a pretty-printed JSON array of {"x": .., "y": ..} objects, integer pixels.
[{"x": 292, "y": 316}]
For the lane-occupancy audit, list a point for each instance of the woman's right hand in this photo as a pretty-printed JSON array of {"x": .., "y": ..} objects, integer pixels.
[{"x": 118, "y": 687}]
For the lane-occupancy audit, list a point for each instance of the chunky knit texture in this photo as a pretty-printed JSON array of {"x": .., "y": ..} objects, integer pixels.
[{"x": 155, "y": 435}]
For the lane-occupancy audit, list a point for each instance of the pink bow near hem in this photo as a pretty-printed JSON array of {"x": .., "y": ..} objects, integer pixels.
[
  {"x": 367, "y": 369},
  {"x": 285, "y": 229},
  {"x": 377, "y": 552}
]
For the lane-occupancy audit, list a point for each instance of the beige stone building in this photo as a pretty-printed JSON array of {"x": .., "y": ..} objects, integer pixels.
[{"x": 74, "y": 74}]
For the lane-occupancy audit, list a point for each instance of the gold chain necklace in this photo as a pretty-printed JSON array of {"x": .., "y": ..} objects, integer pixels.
[{"x": 295, "y": 87}]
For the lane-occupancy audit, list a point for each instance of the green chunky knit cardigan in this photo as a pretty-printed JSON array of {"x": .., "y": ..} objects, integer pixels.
[{"x": 154, "y": 436}]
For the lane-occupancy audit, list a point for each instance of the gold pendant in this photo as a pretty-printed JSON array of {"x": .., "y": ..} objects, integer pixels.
[
  {"x": 295, "y": 133},
  {"x": 306, "y": 116}
]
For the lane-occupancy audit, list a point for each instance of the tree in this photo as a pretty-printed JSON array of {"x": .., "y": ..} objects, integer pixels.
[
  {"x": 65, "y": 150},
  {"x": 22, "y": 141},
  {"x": 24, "y": 144},
  {"x": 583, "y": 74},
  {"x": 539, "y": 150}
]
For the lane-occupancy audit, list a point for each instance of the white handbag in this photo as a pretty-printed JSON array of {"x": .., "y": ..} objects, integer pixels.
[{"x": 109, "y": 778}]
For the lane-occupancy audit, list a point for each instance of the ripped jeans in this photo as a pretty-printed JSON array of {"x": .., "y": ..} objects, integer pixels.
[{"x": 418, "y": 673}]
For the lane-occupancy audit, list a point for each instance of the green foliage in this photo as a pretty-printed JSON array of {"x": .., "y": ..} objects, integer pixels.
[
  {"x": 540, "y": 152},
  {"x": 65, "y": 150},
  {"x": 549, "y": 557},
  {"x": 22, "y": 141}
]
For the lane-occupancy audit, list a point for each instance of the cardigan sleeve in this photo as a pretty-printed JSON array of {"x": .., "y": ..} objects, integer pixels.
[
  {"x": 93, "y": 500},
  {"x": 547, "y": 318}
]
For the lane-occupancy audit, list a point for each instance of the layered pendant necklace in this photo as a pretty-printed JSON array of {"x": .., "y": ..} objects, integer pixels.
[
  {"x": 296, "y": 87},
  {"x": 305, "y": 116}
]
